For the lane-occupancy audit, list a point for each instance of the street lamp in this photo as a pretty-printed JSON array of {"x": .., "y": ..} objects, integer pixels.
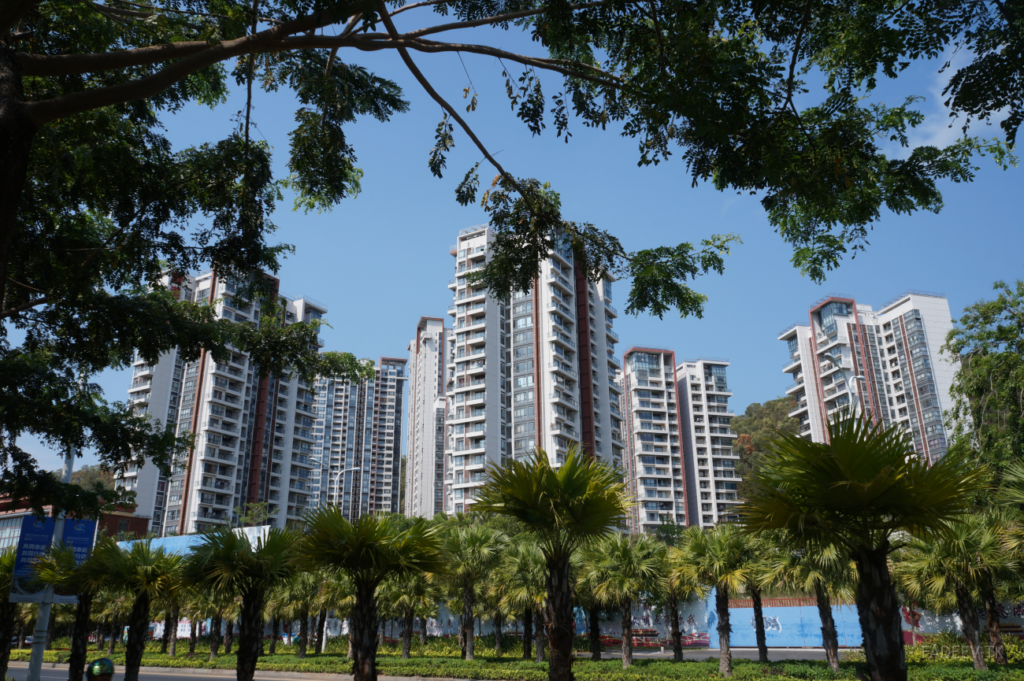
[{"x": 337, "y": 481}]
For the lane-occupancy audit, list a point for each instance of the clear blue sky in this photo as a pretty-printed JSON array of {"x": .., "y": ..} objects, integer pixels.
[{"x": 381, "y": 261}]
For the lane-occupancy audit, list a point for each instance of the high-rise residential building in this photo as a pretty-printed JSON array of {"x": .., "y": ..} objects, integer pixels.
[
  {"x": 359, "y": 440},
  {"x": 253, "y": 436},
  {"x": 884, "y": 364},
  {"x": 711, "y": 480},
  {"x": 654, "y": 466},
  {"x": 424, "y": 457},
  {"x": 534, "y": 370}
]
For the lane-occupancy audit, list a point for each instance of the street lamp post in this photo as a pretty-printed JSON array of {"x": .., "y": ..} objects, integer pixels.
[{"x": 337, "y": 481}]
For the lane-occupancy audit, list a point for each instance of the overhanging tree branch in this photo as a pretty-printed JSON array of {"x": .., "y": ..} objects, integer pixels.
[{"x": 418, "y": 75}]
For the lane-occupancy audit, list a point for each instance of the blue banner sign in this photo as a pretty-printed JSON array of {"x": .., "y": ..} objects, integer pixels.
[{"x": 34, "y": 541}]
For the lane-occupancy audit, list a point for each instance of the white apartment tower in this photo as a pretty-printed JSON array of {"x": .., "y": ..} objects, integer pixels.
[
  {"x": 655, "y": 468},
  {"x": 424, "y": 462},
  {"x": 706, "y": 418},
  {"x": 533, "y": 370},
  {"x": 359, "y": 440},
  {"x": 884, "y": 364},
  {"x": 253, "y": 437}
]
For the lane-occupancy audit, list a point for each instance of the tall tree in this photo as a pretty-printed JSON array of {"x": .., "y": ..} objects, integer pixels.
[
  {"x": 369, "y": 551},
  {"x": 578, "y": 502},
  {"x": 717, "y": 558},
  {"x": 60, "y": 569},
  {"x": 859, "y": 491},
  {"x": 143, "y": 573},
  {"x": 471, "y": 552},
  {"x": 228, "y": 562},
  {"x": 520, "y": 584},
  {"x": 987, "y": 347},
  {"x": 621, "y": 569}
]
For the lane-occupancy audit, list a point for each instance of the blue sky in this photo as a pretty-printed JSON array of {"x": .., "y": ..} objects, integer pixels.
[{"x": 380, "y": 261}]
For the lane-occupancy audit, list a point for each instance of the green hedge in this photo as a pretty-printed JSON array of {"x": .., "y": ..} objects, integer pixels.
[{"x": 506, "y": 668}]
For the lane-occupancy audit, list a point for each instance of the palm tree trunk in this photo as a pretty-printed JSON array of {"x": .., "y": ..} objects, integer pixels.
[
  {"x": 724, "y": 630},
  {"x": 407, "y": 632},
  {"x": 673, "y": 627},
  {"x": 8, "y": 620},
  {"x": 193, "y": 634},
  {"x": 21, "y": 634},
  {"x": 762, "y": 645},
  {"x": 538, "y": 640},
  {"x": 229, "y": 635},
  {"x": 303, "y": 631},
  {"x": 351, "y": 655},
  {"x": 115, "y": 630},
  {"x": 559, "y": 619},
  {"x": 527, "y": 633},
  {"x": 173, "y": 650},
  {"x": 829, "y": 636},
  {"x": 467, "y": 618},
  {"x": 969, "y": 623},
  {"x": 627, "y": 633},
  {"x": 138, "y": 632},
  {"x": 250, "y": 633},
  {"x": 363, "y": 632},
  {"x": 594, "y": 631},
  {"x": 879, "y": 613},
  {"x": 498, "y": 642},
  {"x": 275, "y": 634},
  {"x": 166, "y": 638},
  {"x": 79, "y": 639},
  {"x": 215, "y": 623},
  {"x": 321, "y": 628},
  {"x": 423, "y": 629},
  {"x": 995, "y": 633}
]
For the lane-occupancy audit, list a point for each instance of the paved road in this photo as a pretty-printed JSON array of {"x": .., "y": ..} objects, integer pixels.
[{"x": 19, "y": 671}]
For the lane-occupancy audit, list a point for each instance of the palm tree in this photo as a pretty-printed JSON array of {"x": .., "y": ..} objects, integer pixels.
[
  {"x": 822, "y": 570},
  {"x": 676, "y": 586},
  {"x": 760, "y": 550},
  {"x": 578, "y": 502},
  {"x": 718, "y": 558},
  {"x": 59, "y": 569},
  {"x": 8, "y": 611},
  {"x": 519, "y": 585},
  {"x": 471, "y": 551},
  {"x": 369, "y": 550},
  {"x": 412, "y": 595},
  {"x": 856, "y": 491},
  {"x": 144, "y": 573},
  {"x": 301, "y": 594},
  {"x": 591, "y": 605},
  {"x": 620, "y": 569},
  {"x": 227, "y": 562}
]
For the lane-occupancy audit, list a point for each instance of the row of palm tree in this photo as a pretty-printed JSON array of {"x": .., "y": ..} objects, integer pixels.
[{"x": 856, "y": 518}]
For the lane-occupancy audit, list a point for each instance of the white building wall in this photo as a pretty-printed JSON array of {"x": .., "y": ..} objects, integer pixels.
[{"x": 424, "y": 479}]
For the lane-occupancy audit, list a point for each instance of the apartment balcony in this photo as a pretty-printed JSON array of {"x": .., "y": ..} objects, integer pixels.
[
  {"x": 835, "y": 390},
  {"x": 220, "y": 425},
  {"x": 794, "y": 387},
  {"x": 477, "y": 398},
  {"x": 614, "y": 361},
  {"x": 613, "y": 386},
  {"x": 479, "y": 323},
  {"x": 143, "y": 370},
  {"x": 476, "y": 368},
  {"x": 564, "y": 369},
  {"x": 828, "y": 368},
  {"x": 564, "y": 429},
  {"x": 213, "y": 516},
  {"x": 451, "y": 283},
  {"x": 611, "y": 334},
  {"x": 560, "y": 308},
  {"x": 559, "y": 337},
  {"x": 210, "y": 483},
  {"x": 229, "y": 370},
  {"x": 564, "y": 398},
  {"x": 791, "y": 363},
  {"x": 451, "y": 309},
  {"x": 610, "y": 310},
  {"x": 556, "y": 278}
]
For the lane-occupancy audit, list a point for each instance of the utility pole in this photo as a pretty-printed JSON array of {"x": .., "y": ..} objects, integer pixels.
[{"x": 35, "y": 663}]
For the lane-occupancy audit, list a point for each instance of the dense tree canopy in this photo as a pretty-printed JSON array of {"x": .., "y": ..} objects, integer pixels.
[
  {"x": 757, "y": 427},
  {"x": 96, "y": 205},
  {"x": 987, "y": 347}
]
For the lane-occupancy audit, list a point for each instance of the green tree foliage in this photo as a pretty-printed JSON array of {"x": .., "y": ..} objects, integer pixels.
[
  {"x": 987, "y": 346},
  {"x": 88, "y": 477},
  {"x": 566, "y": 507},
  {"x": 227, "y": 562},
  {"x": 95, "y": 204},
  {"x": 857, "y": 491},
  {"x": 757, "y": 427}
]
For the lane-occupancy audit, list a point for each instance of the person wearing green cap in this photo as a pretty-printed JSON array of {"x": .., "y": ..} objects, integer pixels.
[{"x": 100, "y": 670}]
